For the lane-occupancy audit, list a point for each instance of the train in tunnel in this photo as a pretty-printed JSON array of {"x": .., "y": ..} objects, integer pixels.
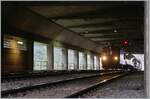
[{"x": 110, "y": 57}]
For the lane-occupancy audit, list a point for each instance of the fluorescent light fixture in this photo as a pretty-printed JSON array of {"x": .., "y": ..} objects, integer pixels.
[{"x": 20, "y": 42}]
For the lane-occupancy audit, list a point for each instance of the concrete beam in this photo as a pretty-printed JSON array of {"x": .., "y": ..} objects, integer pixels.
[{"x": 29, "y": 21}]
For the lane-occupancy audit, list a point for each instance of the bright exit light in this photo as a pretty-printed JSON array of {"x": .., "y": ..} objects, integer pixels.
[
  {"x": 115, "y": 58},
  {"x": 104, "y": 58},
  {"x": 20, "y": 42}
]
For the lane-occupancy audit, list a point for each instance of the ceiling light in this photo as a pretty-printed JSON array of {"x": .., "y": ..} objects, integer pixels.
[
  {"x": 115, "y": 30},
  {"x": 20, "y": 42}
]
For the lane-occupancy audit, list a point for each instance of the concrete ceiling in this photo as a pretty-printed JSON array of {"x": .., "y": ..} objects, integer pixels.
[{"x": 101, "y": 22}]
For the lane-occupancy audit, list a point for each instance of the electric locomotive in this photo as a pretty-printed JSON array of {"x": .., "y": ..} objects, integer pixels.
[{"x": 110, "y": 57}]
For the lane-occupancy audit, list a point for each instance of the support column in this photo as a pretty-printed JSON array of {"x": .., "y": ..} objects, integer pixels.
[
  {"x": 65, "y": 58},
  {"x": 77, "y": 59},
  {"x": 98, "y": 60},
  {"x": 147, "y": 50},
  {"x": 85, "y": 56},
  {"x": 92, "y": 61},
  {"x": 30, "y": 49},
  {"x": 50, "y": 57}
]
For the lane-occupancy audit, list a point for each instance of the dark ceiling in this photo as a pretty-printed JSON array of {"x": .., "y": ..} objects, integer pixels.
[{"x": 99, "y": 21}]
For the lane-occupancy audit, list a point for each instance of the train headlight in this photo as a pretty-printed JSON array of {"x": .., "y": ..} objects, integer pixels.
[
  {"x": 116, "y": 58},
  {"x": 104, "y": 58}
]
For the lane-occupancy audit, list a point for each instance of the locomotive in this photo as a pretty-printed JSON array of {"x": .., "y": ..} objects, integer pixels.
[{"x": 110, "y": 57}]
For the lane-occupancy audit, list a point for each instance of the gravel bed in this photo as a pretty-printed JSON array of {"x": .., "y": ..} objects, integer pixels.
[
  {"x": 13, "y": 84},
  {"x": 131, "y": 86},
  {"x": 60, "y": 90}
]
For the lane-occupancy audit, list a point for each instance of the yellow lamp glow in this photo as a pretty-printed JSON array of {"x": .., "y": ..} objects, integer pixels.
[
  {"x": 115, "y": 58},
  {"x": 104, "y": 58}
]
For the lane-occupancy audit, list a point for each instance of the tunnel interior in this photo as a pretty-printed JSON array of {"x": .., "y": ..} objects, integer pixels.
[{"x": 75, "y": 35}]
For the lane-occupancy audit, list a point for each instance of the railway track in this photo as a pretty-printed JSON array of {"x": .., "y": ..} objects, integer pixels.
[
  {"x": 91, "y": 87},
  {"x": 24, "y": 82},
  {"x": 129, "y": 86},
  {"x": 65, "y": 88}
]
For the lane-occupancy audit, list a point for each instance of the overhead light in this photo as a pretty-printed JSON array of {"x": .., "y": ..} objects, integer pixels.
[
  {"x": 20, "y": 42},
  {"x": 115, "y": 30}
]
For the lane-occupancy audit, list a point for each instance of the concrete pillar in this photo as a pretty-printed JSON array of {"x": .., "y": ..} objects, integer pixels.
[
  {"x": 98, "y": 60},
  {"x": 50, "y": 57},
  {"x": 88, "y": 61},
  {"x": 147, "y": 49},
  {"x": 85, "y": 56},
  {"x": 77, "y": 58},
  {"x": 65, "y": 58},
  {"x": 30, "y": 49},
  {"x": 95, "y": 63},
  {"x": 92, "y": 62}
]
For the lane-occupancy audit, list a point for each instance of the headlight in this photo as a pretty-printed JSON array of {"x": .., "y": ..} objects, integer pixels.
[
  {"x": 115, "y": 58},
  {"x": 104, "y": 58}
]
